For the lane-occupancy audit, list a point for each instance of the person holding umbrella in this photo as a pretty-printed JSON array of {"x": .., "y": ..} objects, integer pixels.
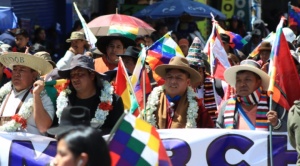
[{"x": 111, "y": 46}]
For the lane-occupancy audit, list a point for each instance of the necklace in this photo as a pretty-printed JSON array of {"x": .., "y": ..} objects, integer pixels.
[
  {"x": 105, "y": 105},
  {"x": 153, "y": 101},
  {"x": 19, "y": 120}
]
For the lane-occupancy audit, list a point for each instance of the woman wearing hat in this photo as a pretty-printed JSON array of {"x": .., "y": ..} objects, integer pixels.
[
  {"x": 249, "y": 109},
  {"x": 111, "y": 46},
  {"x": 175, "y": 104}
]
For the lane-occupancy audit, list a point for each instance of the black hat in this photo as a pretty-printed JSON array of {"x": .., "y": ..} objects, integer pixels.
[
  {"x": 225, "y": 38},
  {"x": 110, "y": 74},
  {"x": 103, "y": 41},
  {"x": 71, "y": 117},
  {"x": 131, "y": 52},
  {"x": 82, "y": 61}
]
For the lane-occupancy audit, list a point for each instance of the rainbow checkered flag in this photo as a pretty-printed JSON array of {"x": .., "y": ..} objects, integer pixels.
[
  {"x": 136, "y": 142},
  {"x": 161, "y": 52}
]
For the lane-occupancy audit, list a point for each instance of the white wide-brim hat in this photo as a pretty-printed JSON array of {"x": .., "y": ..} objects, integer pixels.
[
  {"x": 17, "y": 58},
  {"x": 248, "y": 65}
]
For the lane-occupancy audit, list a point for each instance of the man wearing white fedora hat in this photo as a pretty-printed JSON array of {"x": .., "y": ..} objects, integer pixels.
[
  {"x": 175, "y": 104},
  {"x": 25, "y": 105},
  {"x": 249, "y": 109}
]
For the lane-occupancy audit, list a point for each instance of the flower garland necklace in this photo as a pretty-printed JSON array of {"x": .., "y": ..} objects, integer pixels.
[
  {"x": 153, "y": 101},
  {"x": 105, "y": 105},
  {"x": 19, "y": 120}
]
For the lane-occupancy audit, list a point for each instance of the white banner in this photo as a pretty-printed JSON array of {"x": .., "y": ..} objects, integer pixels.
[
  {"x": 219, "y": 147},
  {"x": 22, "y": 149},
  {"x": 192, "y": 147}
]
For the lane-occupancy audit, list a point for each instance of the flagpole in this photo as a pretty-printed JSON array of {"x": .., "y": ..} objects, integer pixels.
[
  {"x": 129, "y": 82},
  {"x": 88, "y": 33},
  {"x": 144, "y": 88},
  {"x": 270, "y": 134},
  {"x": 211, "y": 66},
  {"x": 114, "y": 129}
]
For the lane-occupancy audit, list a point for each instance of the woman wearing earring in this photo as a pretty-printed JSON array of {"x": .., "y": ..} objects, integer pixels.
[{"x": 83, "y": 146}]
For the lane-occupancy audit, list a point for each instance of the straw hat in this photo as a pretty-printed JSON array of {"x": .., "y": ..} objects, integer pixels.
[
  {"x": 45, "y": 55},
  {"x": 77, "y": 35},
  {"x": 17, "y": 58},
  {"x": 249, "y": 65},
  {"x": 179, "y": 62}
]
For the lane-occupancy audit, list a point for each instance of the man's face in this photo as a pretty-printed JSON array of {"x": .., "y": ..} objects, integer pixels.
[
  {"x": 163, "y": 30},
  {"x": 129, "y": 63},
  {"x": 176, "y": 82},
  {"x": 184, "y": 49},
  {"x": 21, "y": 41},
  {"x": 246, "y": 83},
  {"x": 201, "y": 71},
  {"x": 139, "y": 42},
  {"x": 78, "y": 45},
  {"x": 23, "y": 77},
  {"x": 174, "y": 37},
  {"x": 148, "y": 41},
  {"x": 114, "y": 48},
  {"x": 264, "y": 56},
  {"x": 81, "y": 79}
]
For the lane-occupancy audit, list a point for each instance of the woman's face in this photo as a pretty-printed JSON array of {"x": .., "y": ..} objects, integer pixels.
[{"x": 64, "y": 157}]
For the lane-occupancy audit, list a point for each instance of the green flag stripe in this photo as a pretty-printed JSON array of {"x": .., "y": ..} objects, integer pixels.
[
  {"x": 136, "y": 145},
  {"x": 126, "y": 127}
]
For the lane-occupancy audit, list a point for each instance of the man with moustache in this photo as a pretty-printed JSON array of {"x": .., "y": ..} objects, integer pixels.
[
  {"x": 111, "y": 46},
  {"x": 175, "y": 104},
  {"x": 249, "y": 109},
  {"x": 79, "y": 45},
  {"x": 25, "y": 105}
]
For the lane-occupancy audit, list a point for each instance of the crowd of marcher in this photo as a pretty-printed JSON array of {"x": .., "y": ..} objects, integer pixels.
[{"x": 189, "y": 98}]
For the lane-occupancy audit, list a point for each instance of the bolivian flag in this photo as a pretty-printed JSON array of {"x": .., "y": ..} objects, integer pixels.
[{"x": 122, "y": 85}]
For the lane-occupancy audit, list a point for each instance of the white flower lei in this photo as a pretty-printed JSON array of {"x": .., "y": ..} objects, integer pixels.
[
  {"x": 24, "y": 112},
  {"x": 153, "y": 101},
  {"x": 100, "y": 115}
]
